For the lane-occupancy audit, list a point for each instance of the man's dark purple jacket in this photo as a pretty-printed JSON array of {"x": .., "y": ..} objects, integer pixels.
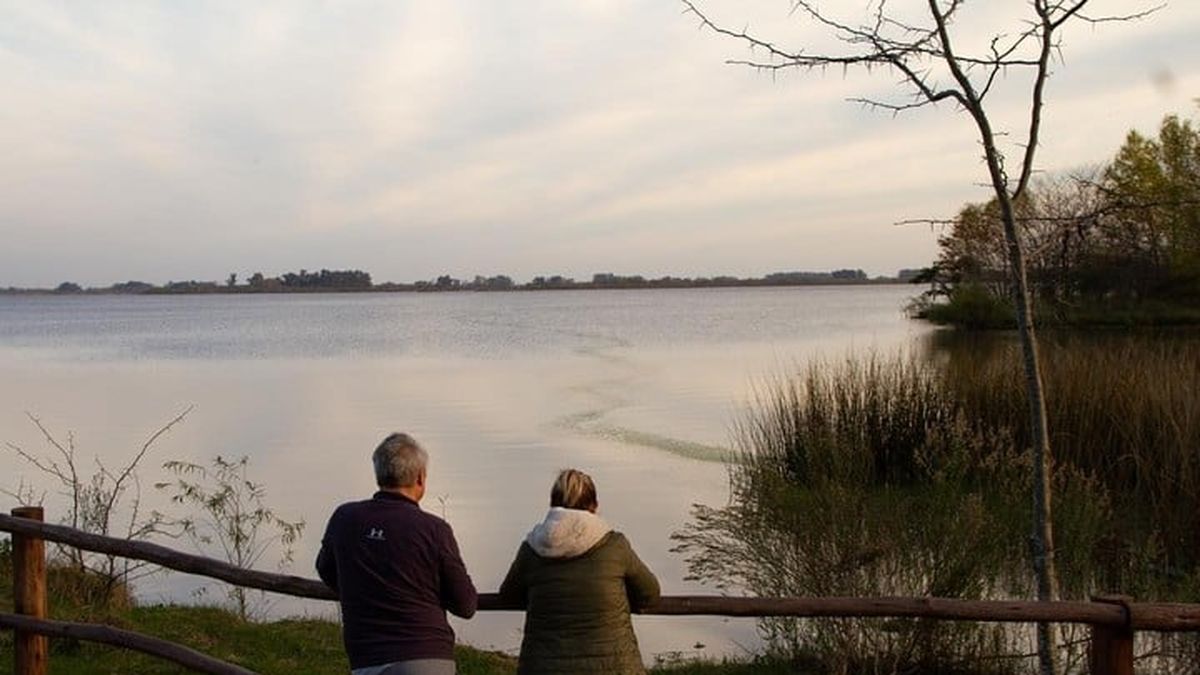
[{"x": 396, "y": 570}]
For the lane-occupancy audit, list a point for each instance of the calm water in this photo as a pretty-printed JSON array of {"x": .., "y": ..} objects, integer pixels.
[{"x": 637, "y": 387}]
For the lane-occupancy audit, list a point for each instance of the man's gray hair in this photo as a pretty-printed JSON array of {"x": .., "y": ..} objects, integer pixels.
[{"x": 399, "y": 461}]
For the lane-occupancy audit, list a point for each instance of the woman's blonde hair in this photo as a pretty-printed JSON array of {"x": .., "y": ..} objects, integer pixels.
[{"x": 574, "y": 489}]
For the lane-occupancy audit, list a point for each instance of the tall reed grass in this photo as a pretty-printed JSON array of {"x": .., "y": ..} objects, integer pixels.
[
  {"x": 909, "y": 475},
  {"x": 1124, "y": 410}
]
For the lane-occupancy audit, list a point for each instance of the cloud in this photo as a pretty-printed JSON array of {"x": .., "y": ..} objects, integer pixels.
[{"x": 410, "y": 139}]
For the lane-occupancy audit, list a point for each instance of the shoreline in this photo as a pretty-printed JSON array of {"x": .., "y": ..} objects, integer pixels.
[{"x": 411, "y": 288}]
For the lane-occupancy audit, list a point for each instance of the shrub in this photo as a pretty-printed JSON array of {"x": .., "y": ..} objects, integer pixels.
[
  {"x": 233, "y": 516},
  {"x": 106, "y": 502},
  {"x": 970, "y": 306}
]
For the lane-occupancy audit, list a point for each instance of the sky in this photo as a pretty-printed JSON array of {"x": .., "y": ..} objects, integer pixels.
[{"x": 167, "y": 141}]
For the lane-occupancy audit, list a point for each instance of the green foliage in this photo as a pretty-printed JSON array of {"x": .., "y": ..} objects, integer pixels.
[
  {"x": 1124, "y": 242},
  {"x": 1155, "y": 183},
  {"x": 233, "y": 516},
  {"x": 972, "y": 306}
]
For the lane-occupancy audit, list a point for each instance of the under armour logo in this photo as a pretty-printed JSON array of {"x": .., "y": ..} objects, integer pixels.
[{"x": 376, "y": 534}]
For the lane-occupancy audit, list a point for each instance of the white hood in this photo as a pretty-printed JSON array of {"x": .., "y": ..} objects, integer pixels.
[{"x": 566, "y": 533}]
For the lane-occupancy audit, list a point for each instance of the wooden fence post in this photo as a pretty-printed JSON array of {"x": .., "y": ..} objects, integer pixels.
[
  {"x": 1112, "y": 646},
  {"x": 29, "y": 596}
]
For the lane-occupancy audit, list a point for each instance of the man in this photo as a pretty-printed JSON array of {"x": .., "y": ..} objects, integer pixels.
[{"x": 396, "y": 570}]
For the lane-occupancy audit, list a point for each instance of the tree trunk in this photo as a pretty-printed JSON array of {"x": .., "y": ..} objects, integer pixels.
[{"x": 1042, "y": 539}]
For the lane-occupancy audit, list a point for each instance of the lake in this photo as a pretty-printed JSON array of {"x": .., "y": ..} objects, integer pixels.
[{"x": 637, "y": 387}]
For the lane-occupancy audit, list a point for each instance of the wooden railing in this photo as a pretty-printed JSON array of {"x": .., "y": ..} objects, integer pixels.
[{"x": 1113, "y": 619}]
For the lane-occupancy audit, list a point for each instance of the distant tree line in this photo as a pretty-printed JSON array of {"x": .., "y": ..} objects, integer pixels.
[
  {"x": 1121, "y": 244},
  {"x": 358, "y": 281}
]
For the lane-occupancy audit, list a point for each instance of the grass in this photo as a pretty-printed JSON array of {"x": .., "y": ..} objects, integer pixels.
[
  {"x": 301, "y": 646},
  {"x": 292, "y": 646}
]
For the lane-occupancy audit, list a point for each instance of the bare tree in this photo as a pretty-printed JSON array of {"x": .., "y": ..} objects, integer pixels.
[
  {"x": 917, "y": 45},
  {"x": 108, "y": 501}
]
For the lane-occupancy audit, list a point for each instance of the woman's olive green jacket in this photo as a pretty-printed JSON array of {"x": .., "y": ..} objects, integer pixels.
[{"x": 577, "y": 605}]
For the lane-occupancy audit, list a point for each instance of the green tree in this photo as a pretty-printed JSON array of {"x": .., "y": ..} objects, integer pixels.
[
  {"x": 1153, "y": 188},
  {"x": 1129, "y": 232}
]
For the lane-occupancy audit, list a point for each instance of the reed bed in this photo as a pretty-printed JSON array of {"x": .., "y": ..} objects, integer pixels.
[
  {"x": 909, "y": 475},
  {"x": 1123, "y": 410}
]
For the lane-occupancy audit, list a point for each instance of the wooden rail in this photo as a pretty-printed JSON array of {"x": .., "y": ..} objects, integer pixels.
[
  {"x": 1113, "y": 619},
  {"x": 166, "y": 557},
  {"x": 168, "y": 651}
]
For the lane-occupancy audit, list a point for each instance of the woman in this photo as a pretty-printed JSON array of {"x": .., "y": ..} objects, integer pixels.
[{"x": 577, "y": 580}]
